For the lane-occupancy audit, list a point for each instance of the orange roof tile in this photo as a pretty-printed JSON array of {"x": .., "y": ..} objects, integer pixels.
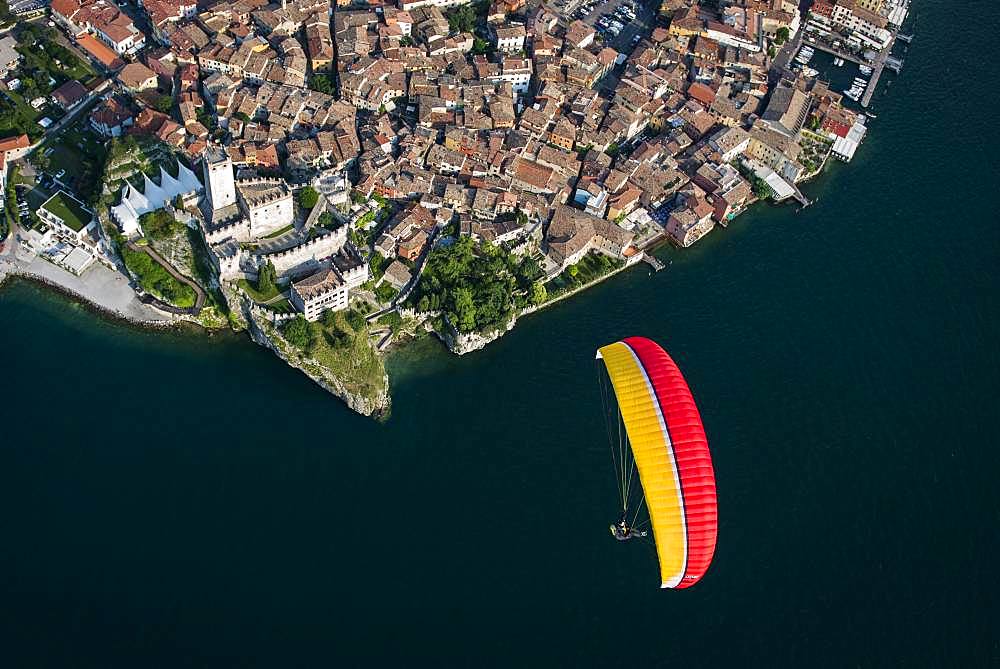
[{"x": 103, "y": 54}]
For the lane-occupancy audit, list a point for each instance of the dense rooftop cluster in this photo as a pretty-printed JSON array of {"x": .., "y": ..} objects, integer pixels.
[{"x": 534, "y": 125}]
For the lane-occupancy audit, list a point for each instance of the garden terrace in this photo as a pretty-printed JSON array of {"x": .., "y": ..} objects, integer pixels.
[{"x": 69, "y": 210}]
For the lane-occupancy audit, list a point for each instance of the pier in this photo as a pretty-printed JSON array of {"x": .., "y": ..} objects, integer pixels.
[
  {"x": 653, "y": 262},
  {"x": 800, "y": 198},
  {"x": 826, "y": 48},
  {"x": 878, "y": 66}
]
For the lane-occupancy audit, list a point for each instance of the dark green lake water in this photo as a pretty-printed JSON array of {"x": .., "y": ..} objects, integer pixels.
[{"x": 178, "y": 500}]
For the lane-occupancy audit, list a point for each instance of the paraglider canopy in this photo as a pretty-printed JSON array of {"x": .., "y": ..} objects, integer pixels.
[{"x": 664, "y": 440}]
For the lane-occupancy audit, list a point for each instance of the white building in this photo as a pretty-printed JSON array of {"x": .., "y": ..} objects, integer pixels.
[
  {"x": 316, "y": 293},
  {"x": 730, "y": 142},
  {"x": 135, "y": 203},
  {"x": 267, "y": 204},
  {"x": 330, "y": 286},
  {"x": 518, "y": 72},
  {"x": 68, "y": 216},
  {"x": 867, "y": 26},
  {"x": 220, "y": 183},
  {"x": 510, "y": 39}
]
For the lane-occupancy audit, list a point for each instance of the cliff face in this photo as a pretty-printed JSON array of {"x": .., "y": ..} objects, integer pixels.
[
  {"x": 266, "y": 335},
  {"x": 461, "y": 343}
]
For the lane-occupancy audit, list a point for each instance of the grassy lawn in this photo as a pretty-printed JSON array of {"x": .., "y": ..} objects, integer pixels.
[
  {"x": 156, "y": 280},
  {"x": 45, "y": 65},
  {"x": 43, "y": 52},
  {"x": 258, "y": 296},
  {"x": 17, "y": 116},
  {"x": 340, "y": 342},
  {"x": 69, "y": 210},
  {"x": 278, "y": 233},
  {"x": 282, "y": 306}
]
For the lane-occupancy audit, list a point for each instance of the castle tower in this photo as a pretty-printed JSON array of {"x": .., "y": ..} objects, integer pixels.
[{"x": 220, "y": 185}]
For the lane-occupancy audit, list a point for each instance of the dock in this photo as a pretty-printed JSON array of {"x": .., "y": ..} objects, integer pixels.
[
  {"x": 877, "y": 68},
  {"x": 826, "y": 48},
  {"x": 653, "y": 262},
  {"x": 800, "y": 198}
]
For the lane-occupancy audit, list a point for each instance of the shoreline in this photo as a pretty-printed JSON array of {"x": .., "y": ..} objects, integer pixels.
[
  {"x": 17, "y": 271},
  {"x": 13, "y": 276}
]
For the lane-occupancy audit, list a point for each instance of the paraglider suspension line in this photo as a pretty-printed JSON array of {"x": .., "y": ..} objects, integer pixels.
[
  {"x": 607, "y": 424},
  {"x": 624, "y": 465}
]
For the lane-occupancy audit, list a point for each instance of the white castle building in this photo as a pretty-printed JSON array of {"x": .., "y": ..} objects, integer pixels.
[
  {"x": 152, "y": 197},
  {"x": 267, "y": 203}
]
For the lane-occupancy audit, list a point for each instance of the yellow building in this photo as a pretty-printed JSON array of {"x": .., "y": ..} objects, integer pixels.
[{"x": 875, "y": 6}]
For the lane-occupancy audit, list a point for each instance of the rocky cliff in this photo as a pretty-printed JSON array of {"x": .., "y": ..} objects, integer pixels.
[
  {"x": 265, "y": 334},
  {"x": 461, "y": 343}
]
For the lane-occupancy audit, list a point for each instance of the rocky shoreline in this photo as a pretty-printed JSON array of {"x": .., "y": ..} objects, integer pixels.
[
  {"x": 91, "y": 305},
  {"x": 463, "y": 343}
]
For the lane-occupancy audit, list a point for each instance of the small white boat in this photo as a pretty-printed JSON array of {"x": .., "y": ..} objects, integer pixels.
[
  {"x": 865, "y": 70},
  {"x": 838, "y": 61},
  {"x": 809, "y": 72}
]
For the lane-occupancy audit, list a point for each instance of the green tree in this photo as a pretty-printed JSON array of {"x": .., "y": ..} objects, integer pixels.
[
  {"x": 574, "y": 271},
  {"x": 159, "y": 224},
  {"x": 179, "y": 203},
  {"x": 308, "y": 197},
  {"x": 356, "y": 320},
  {"x": 41, "y": 161},
  {"x": 465, "y": 310},
  {"x": 462, "y": 19},
  {"x": 299, "y": 333},
  {"x": 325, "y": 220},
  {"x": 164, "y": 104},
  {"x": 321, "y": 83},
  {"x": 761, "y": 189},
  {"x": 613, "y": 149},
  {"x": 266, "y": 277},
  {"x": 781, "y": 36},
  {"x": 479, "y": 46},
  {"x": 538, "y": 292}
]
